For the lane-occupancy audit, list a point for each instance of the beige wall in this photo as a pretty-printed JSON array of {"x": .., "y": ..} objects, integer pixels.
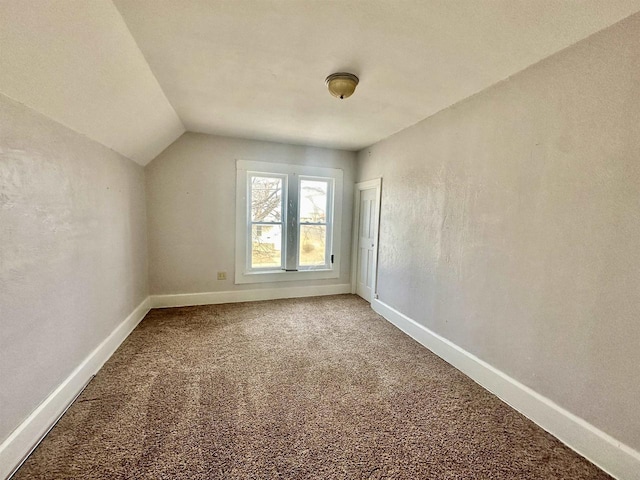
[
  {"x": 191, "y": 209},
  {"x": 510, "y": 225},
  {"x": 73, "y": 254}
]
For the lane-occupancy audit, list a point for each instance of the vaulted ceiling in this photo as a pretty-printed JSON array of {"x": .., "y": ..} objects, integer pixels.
[{"x": 135, "y": 74}]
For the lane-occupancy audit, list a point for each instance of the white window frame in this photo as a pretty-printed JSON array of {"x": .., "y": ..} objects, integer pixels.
[
  {"x": 328, "y": 222},
  {"x": 250, "y": 222},
  {"x": 293, "y": 175}
]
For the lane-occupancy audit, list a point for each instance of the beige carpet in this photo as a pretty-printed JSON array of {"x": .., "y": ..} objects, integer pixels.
[{"x": 291, "y": 389}]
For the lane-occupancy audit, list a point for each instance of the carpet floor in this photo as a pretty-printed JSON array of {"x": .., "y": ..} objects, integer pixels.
[{"x": 314, "y": 388}]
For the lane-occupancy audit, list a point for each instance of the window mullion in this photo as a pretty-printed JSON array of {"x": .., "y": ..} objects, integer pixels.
[{"x": 291, "y": 227}]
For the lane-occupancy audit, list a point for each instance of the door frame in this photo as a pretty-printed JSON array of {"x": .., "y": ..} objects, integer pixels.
[{"x": 358, "y": 188}]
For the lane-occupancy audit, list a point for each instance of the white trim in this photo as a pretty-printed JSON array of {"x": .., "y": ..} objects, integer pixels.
[
  {"x": 211, "y": 298},
  {"x": 358, "y": 188},
  {"x": 612, "y": 456},
  {"x": 242, "y": 276},
  {"x": 285, "y": 168},
  {"x": 17, "y": 447}
]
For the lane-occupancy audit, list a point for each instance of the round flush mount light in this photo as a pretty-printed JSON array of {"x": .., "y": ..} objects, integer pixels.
[{"x": 342, "y": 85}]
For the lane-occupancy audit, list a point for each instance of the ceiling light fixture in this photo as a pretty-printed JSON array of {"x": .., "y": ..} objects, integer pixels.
[{"x": 342, "y": 85}]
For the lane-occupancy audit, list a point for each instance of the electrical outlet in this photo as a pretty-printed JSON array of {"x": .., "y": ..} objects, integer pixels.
[{"x": 222, "y": 275}]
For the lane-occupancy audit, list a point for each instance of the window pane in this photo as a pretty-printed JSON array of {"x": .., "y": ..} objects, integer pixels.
[
  {"x": 266, "y": 199},
  {"x": 313, "y": 201},
  {"x": 312, "y": 245},
  {"x": 266, "y": 246}
]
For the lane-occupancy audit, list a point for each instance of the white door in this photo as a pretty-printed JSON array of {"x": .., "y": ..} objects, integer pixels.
[{"x": 366, "y": 243}]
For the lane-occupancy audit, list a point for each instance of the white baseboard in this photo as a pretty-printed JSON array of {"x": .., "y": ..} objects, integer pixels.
[
  {"x": 612, "y": 456},
  {"x": 617, "y": 459},
  {"x": 17, "y": 447},
  {"x": 210, "y": 298}
]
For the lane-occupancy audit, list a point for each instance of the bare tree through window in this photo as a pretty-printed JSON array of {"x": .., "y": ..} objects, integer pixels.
[
  {"x": 266, "y": 219},
  {"x": 313, "y": 222}
]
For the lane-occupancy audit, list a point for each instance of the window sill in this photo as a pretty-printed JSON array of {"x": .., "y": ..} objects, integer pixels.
[{"x": 283, "y": 276}]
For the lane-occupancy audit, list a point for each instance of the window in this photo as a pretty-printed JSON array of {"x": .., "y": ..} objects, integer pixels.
[{"x": 287, "y": 222}]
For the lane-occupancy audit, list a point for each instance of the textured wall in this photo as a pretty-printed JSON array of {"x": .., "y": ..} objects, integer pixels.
[
  {"x": 191, "y": 206},
  {"x": 510, "y": 225},
  {"x": 73, "y": 254}
]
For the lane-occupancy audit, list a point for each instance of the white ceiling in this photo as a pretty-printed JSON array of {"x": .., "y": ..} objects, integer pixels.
[
  {"x": 134, "y": 77},
  {"x": 256, "y": 68},
  {"x": 76, "y": 62}
]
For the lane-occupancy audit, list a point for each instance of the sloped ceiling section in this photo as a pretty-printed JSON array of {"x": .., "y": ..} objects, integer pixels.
[
  {"x": 115, "y": 71},
  {"x": 256, "y": 68},
  {"x": 76, "y": 62}
]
